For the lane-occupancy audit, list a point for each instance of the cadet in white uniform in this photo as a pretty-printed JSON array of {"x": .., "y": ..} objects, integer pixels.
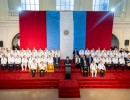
[
  {"x": 102, "y": 68},
  {"x": 77, "y": 62},
  {"x": 11, "y": 63},
  {"x": 50, "y": 60},
  {"x": 122, "y": 62},
  {"x": 24, "y": 63},
  {"x": 33, "y": 68},
  {"x": 87, "y": 52},
  {"x": 42, "y": 67},
  {"x": 96, "y": 60},
  {"x": 3, "y": 62},
  {"x": 18, "y": 62},
  {"x": 81, "y": 52},
  {"x": 108, "y": 62},
  {"x": 115, "y": 62},
  {"x": 93, "y": 67}
]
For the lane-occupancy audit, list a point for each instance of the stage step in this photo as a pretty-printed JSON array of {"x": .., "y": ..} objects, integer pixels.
[
  {"x": 104, "y": 84},
  {"x": 28, "y": 84}
]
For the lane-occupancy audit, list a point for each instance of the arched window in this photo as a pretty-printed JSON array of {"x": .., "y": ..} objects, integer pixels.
[
  {"x": 100, "y": 5},
  {"x": 30, "y": 4},
  {"x": 115, "y": 41},
  {"x": 64, "y": 4}
]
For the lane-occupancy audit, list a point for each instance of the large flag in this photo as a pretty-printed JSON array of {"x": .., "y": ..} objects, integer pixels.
[{"x": 65, "y": 30}]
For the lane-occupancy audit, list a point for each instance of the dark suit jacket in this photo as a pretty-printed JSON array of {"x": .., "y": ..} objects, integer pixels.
[
  {"x": 67, "y": 62},
  {"x": 82, "y": 61},
  {"x": 88, "y": 60},
  {"x": 75, "y": 52},
  {"x": 55, "y": 59}
]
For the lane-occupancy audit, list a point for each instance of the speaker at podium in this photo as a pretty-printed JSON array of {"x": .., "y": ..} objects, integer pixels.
[{"x": 67, "y": 63}]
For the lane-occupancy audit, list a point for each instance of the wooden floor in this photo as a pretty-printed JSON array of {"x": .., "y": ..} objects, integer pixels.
[{"x": 52, "y": 94}]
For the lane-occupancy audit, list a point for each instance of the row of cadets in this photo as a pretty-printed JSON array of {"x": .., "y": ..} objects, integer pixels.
[
  {"x": 28, "y": 52},
  {"x": 100, "y": 53}
]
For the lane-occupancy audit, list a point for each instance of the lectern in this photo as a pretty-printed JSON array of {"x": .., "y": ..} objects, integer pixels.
[
  {"x": 67, "y": 63},
  {"x": 68, "y": 71}
]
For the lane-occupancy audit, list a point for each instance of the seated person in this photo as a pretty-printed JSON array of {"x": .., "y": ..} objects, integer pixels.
[
  {"x": 57, "y": 62},
  {"x": 81, "y": 52},
  {"x": 115, "y": 62},
  {"x": 93, "y": 67},
  {"x": 75, "y": 52},
  {"x": 128, "y": 61},
  {"x": 42, "y": 67},
  {"x": 96, "y": 59},
  {"x": 50, "y": 60},
  {"x": 33, "y": 68},
  {"x": 102, "y": 68},
  {"x": 17, "y": 63},
  {"x": 67, "y": 62},
  {"x": 85, "y": 68},
  {"x": 50, "y": 67},
  {"x": 82, "y": 60},
  {"x": 3, "y": 62},
  {"x": 108, "y": 62},
  {"x": 122, "y": 63},
  {"x": 24, "y": 63},
  {"x": 10, "y": 63},
  {"x": 77, "y": 62}
]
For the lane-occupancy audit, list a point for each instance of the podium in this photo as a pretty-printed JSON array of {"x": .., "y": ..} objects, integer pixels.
[{"x": 68, "y": 71}]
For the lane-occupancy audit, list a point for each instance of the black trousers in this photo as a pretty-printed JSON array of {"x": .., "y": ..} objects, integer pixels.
[
  {"x": 17, "y": 66},
  {"x": 78, "y": 66},
  {"x": 33, "y": 72},
  {"x": 41, "y": 73},
  {"x": 3, "y": 66},
  {"x": 102, "y": 72},
  {"x": 10, "y": 67},
  {"x": 56, "y": 65},
  {"x": 109, "y": 66},
  {"x": 122, "y": 66},
  {"x": 85, "y": 71},
  {"x": 115, "y": 66}
]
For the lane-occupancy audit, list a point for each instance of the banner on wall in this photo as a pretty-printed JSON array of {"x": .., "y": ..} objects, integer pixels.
[{"x": 65, "y": 30}]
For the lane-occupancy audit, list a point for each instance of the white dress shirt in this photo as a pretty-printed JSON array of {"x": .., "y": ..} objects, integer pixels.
[{"x": 93, "y": 66}]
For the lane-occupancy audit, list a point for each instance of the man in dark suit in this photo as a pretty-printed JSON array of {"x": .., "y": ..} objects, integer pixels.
[
  {"x": 89, "y": 60},
  {"x": 67, "y": 62},
  {"x": 85, "y": 68},
  {"x": 75, "y": 52},
  {"x": 57, "y": 62}
]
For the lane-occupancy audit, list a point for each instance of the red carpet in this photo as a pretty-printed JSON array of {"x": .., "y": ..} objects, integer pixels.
[{"x": 67, "y": 88}]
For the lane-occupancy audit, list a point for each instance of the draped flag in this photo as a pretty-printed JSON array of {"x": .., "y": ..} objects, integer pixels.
[{"x": 65, "y": 30}]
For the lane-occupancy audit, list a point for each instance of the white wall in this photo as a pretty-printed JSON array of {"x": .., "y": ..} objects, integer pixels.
[
  {"x": 122, "y": 32},
  {"x": 7, "y": 32}
]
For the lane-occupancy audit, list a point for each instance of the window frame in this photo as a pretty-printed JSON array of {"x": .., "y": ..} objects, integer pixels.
[
  {"x": 98, "y": 5},
  {"x": 27, "y": 5},
  {"x": 63, "y": 5}
]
